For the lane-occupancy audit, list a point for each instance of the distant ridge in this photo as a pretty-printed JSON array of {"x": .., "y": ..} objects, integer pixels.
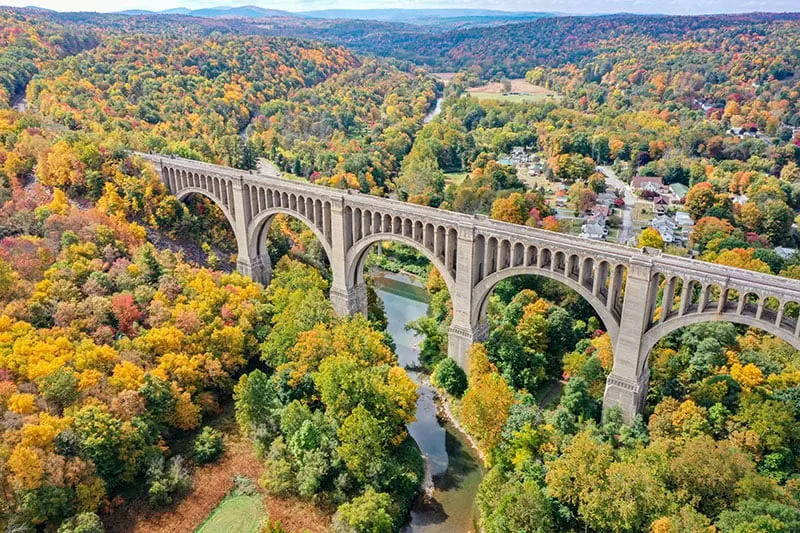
[
  {"x": 384, "y": 15},
  {"x": 408, "y": 14},
  {"x": 250, "y": 12}
]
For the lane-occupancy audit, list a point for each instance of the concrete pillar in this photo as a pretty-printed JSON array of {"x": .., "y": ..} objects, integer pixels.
[
  {"x": 686, "y": 297},
  {"x": 245, "y": 263},
  {"x": 258, "y": 268},
  {"x": 347, "y": 298},
  {"x": 723, "y": 300},
  {"x": 626, "y": 386},
  {"x": 762, "y": 300},
  {"x": 704, "y": 293},
  {"x": 465, "y": 329},
  {"x": 600, "y": 276},
  {"x": 668, "y": 298},
  {"x": 614, "y": 288}
]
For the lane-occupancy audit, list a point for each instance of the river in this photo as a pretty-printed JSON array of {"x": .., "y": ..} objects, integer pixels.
[
  {"x": 453, "y": 470},
  {"x": 433, "y": 112}
]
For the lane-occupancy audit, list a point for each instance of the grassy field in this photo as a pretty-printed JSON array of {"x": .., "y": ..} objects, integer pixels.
[
  {"x": 235, "y": 514},
  {"x": 642, "y": 213},
  {"x": 521, "y": 91},
  {"x": 454, "y": 177}
]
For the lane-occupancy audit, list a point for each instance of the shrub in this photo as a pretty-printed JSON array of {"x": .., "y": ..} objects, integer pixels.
[
  {"x": 372, "y": 511},
  {"x": 244, "y": 486},
  {"x": 82, "y": 523},
  {"x": 208, "y": 445},
  {"x": 449, "y": 376},
  {"x": 166, "y": 481}
]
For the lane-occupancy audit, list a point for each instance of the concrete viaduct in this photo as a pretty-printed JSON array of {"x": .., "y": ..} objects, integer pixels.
[{"x": 639, "y": 296}]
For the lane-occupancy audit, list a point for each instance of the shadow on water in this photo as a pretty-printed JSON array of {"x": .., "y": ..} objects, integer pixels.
[
  {"x": 460, "y": 466},
  {"x": 453, "y": 471}
]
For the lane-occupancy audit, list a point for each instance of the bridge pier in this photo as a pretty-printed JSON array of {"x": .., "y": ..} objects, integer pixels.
[
  {"x": 461, "y": 337},
  {"x": 626, "y": 386},
  {"x": 258, "y": 269},
  {"x": 349, "y": 300}
]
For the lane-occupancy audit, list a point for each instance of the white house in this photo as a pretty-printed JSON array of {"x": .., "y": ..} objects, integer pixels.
[
  {"x": 666, "y": 227},
  {"x": 594, "y": 231}
]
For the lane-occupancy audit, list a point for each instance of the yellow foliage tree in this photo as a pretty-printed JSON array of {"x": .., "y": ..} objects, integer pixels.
[
  {"x": 27, "y": 467},
  {"x": 22, "y": 403},
  {"x": 651, "y": 238},
  {"x": 127, "y": 376}
]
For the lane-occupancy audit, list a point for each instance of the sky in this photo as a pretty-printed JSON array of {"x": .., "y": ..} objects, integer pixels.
[{"x": 561, "y": 6}]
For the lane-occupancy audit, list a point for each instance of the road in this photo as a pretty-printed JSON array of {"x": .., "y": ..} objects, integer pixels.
[{"x": 613, "y": 181}]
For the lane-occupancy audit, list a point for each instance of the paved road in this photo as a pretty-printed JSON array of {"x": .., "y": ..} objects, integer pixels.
[{"x": 612, "y": 180}]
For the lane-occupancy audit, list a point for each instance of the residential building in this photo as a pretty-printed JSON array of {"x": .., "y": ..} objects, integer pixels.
[
  {"x": 594, "y": 231},
  {"x": 647, "y": 183},
  {"x": 660, "y": 205}
]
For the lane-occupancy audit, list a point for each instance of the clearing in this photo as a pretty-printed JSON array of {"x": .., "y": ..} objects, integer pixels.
[
  {"x": 209, "y": 496},
  {"x": 456, "y": 178},
  {"x": 521, "y": 91},
  {"x": 444, "y": 77},
  {"x": 236, "y": 514}
]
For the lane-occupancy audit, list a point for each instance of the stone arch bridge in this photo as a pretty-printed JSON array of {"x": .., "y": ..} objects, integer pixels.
[{"x": 639, "y": 296}]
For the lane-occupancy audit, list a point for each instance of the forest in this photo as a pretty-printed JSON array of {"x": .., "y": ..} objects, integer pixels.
[{"x": 125, "y": 332}]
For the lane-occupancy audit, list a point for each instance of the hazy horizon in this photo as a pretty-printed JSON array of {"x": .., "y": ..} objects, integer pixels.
[{"x": 678, "y": 7}]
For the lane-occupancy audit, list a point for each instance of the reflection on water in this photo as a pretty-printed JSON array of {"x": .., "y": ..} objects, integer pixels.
[{"x": 453, "y": 472}]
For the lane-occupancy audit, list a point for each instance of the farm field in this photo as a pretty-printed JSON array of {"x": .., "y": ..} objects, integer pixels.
[
  {"x": 444, "y": 77},
  {"x": 521, "y": 91}
]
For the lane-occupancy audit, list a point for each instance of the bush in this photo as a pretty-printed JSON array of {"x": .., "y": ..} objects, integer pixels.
[
  {"x": 166, "y": 481},
  {"x": 449, "y": 376},
  {"x": 208, "y": 445},
  {"x": 244, "y": 486},
  {"x": 372, "y": 511},
  {"x": 82, "y": 523}
]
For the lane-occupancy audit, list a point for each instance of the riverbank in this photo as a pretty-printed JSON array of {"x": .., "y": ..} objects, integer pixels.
[{"x": 445, "y": 405}]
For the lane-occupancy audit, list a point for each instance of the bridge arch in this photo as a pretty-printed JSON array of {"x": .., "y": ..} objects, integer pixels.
[
  {"x": 357, "y": 255},
  {"x": 258, "y": 229},
  {"x": 185, "y": 193},
  {"x": 484, "y": 288},
  {"x": 658, "y": 332}
]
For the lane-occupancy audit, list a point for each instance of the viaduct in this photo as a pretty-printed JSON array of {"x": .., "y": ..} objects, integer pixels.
[{"x": 640, "y": 295}]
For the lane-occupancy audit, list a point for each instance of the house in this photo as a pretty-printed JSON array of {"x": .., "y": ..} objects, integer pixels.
[
  {"x": 679, "y": 191},
  {"x": 647, "y": 183},
  {"x": 660, "y": 205},
  {"x": 739, "y": 199},
  {"x": 534, "y": 169},
  {"x": 666, "y": 227},
  {"x": 599, "y": 214},
  {"x": 594, "y": 231},
  {"x": 606, "y": 198}
]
